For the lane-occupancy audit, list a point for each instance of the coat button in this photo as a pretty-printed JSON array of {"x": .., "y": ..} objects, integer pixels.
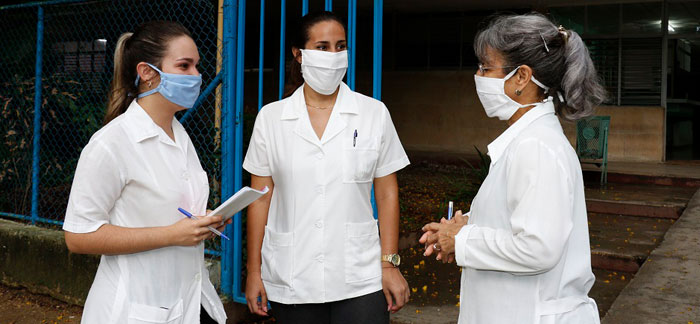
[
  {"x": 319, "y": 155},
  {"x": 319, "y": 258},
  {"x": 319, "y": 224}
]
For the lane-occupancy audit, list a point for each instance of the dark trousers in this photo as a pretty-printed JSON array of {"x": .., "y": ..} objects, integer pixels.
[
  {"x": 204, "y": 317},
  {"x": 367, "y": 309}
]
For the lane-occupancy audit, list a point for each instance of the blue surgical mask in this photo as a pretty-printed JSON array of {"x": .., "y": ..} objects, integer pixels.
[{"x": 180, "y": 89}]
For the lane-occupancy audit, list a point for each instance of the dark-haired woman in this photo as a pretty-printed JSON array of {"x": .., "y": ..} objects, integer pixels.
[
  {"x": 314, "y": 249},
  {"x": 131, "y": 178},
  {"x": 523, "y": 247}
]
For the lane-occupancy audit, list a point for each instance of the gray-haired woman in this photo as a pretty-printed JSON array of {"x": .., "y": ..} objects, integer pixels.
[{"x": 523, "y": 247}]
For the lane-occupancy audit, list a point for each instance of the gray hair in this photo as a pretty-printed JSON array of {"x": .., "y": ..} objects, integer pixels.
[{"x": 559, "y": 59}]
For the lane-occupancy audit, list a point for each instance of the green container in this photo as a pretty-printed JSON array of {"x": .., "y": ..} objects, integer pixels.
[{"x": 592, "y": 143}]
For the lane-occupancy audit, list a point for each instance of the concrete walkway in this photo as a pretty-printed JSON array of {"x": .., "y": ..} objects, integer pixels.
[{"x": 667, "y": 287}]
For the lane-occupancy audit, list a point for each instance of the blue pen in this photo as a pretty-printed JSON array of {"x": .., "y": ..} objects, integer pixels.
[
  {"x": 354, "y": 139},
  {"x": 213, "y": 230},
  {"x": 450, "y": 207}
]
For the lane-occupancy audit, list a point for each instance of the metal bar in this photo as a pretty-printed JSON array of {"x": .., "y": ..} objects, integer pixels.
[
  {"x": 261, "y": 55},
  {"x": 39, "y": 3},
  {"x": 378, "y": 37},
  {"x": 212, "y": 252},
  {"x": 207, "y": 91},
  {"x": 227, "y": 136},
  {"x": 238, "y": 154},
  {"x": 17, "y": 216},
  {"x": 352, "y": 19},
  {"x": 377, "y": 70},
  {"x": 36, "y": 146},
  {"x": 283, "y": 14},
  {"x": 329, "y": 5},
  {"x": 304, "y": 7},
  {"x": 664, "y": 71}
]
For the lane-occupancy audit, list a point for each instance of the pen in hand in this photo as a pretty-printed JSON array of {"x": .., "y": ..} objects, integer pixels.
[
  {"x": 450, "y": 208},
  {"x": 213, "y": 230}
]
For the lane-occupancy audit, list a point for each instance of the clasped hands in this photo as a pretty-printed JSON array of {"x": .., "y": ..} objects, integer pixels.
[{"x": 440, "y": 237}]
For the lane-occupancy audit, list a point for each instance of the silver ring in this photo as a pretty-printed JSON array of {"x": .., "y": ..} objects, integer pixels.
[{"x": 436, "y": 247}]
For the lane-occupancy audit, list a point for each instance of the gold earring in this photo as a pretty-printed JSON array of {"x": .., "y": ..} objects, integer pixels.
[
  {"x": 149, "y": 83},
  {"x": 518, "y": 92}
]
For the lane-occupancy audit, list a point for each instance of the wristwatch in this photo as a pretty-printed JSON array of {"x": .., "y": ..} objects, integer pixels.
[{"x": 394, "y": 259}]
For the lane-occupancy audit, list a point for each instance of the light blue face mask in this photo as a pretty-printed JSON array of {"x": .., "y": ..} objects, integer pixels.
[{"x": 180, "y": 89}]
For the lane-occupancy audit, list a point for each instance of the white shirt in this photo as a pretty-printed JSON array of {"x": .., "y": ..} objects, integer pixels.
[
  {"x": 131, "y": 174},
  {"x": 525, "y": 251},
  {"x": 321, "y": 241}
]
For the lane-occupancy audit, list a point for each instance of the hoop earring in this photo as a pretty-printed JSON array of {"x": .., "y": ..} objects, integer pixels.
[
  {"x": 149, "y": 83},
  {"x": 518, "y": 92}
]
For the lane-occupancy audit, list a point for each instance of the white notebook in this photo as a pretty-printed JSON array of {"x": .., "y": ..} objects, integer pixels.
[{"x": 238, "y": 201}]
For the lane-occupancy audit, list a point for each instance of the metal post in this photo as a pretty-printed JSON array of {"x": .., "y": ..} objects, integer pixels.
[
  {"x": 238, "y": 295},
  {"x": 283, "y": 14},
  {"x": 352, "y": 20},
  {"x": 304, "y": 7},
  {"x": 37, "y": 114},
  {"x": 261, "y": 58},
  {"x": 664, "y": 71},
  {"x": 329, "y": 5},
  {"x": 377, "y": 68},
  {"x": 227, "y": 136}
]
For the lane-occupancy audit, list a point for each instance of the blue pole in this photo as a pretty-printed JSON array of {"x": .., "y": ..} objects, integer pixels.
[
  {"x": 378, "y": 31},
  {"x": 261, "y": 58},
  {"x": 329, "y": 5},
  {"x": 283, "y": 13},
  {"x": 352, "y": 20},
  {"x": 37, "y": 114},
  {"x": 238, "y": 295},
  {"x": 377, "y": 67},
  {"x": 227, "y": 136},
  {"x": 304, "y": 7}
]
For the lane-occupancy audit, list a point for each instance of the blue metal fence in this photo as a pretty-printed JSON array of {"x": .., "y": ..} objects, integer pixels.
[{"x": 67, "y": 46}]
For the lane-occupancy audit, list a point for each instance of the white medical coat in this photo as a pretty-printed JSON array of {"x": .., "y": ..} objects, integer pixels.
[
  {"x": 132, "y": 174},
  {"x": 525, "y": 251},
  {"x": 321, "y": 242}
]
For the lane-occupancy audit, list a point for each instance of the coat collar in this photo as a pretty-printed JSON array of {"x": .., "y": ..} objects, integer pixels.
[
  {"x": 295, "y": 109},
  {"x": 141, "y": 127},
  {"x": 499, "y": 145}
]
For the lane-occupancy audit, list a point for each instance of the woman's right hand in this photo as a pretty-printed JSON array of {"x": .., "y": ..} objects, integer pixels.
[
  {"x": 190, "y": 232},
  {"x": 255, "y": 294}
]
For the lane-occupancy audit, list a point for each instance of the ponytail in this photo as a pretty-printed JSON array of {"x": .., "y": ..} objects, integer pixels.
[
  {"x": 581, "y": 84},
  {"x": 296, "y": 80},
  {"x": 122, "y": 87}
]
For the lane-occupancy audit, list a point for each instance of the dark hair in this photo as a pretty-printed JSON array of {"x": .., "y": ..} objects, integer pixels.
[
  {"x": 558, "y": 57},
  {"x": 148, "y": 43},
  {"x": 299, "y": 39}
]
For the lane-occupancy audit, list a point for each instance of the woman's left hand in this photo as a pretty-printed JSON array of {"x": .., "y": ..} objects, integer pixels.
[
  {"x": 395, "y": 288},
  {"x": 440, "y": 237}
]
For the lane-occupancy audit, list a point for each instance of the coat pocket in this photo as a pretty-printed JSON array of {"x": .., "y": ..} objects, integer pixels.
[
  {"x": 362, "y": 251},
  {"x": 359, "y": 164},
  {"x": 277, "y": 258},
  {"x": 146, "y": 314}
]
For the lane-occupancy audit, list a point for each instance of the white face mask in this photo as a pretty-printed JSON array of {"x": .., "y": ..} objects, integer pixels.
[
  {"x": 323, "y": 71},
  {"x": 493, "y": 97}
]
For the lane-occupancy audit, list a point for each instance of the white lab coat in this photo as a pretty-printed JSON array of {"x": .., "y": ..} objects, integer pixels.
[
  {"x": 132, "y": 174},
  {"x": 321, "y": 242},
  {"x": 525, "y": 251}
]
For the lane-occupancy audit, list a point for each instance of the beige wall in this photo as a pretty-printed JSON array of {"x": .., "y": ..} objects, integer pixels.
[{"x": 438, "y": 111}]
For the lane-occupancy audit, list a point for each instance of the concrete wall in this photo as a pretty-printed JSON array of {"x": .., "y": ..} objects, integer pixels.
[
  {"x": 37, "y": 258},
  {"x": 439, "y": 111}
]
